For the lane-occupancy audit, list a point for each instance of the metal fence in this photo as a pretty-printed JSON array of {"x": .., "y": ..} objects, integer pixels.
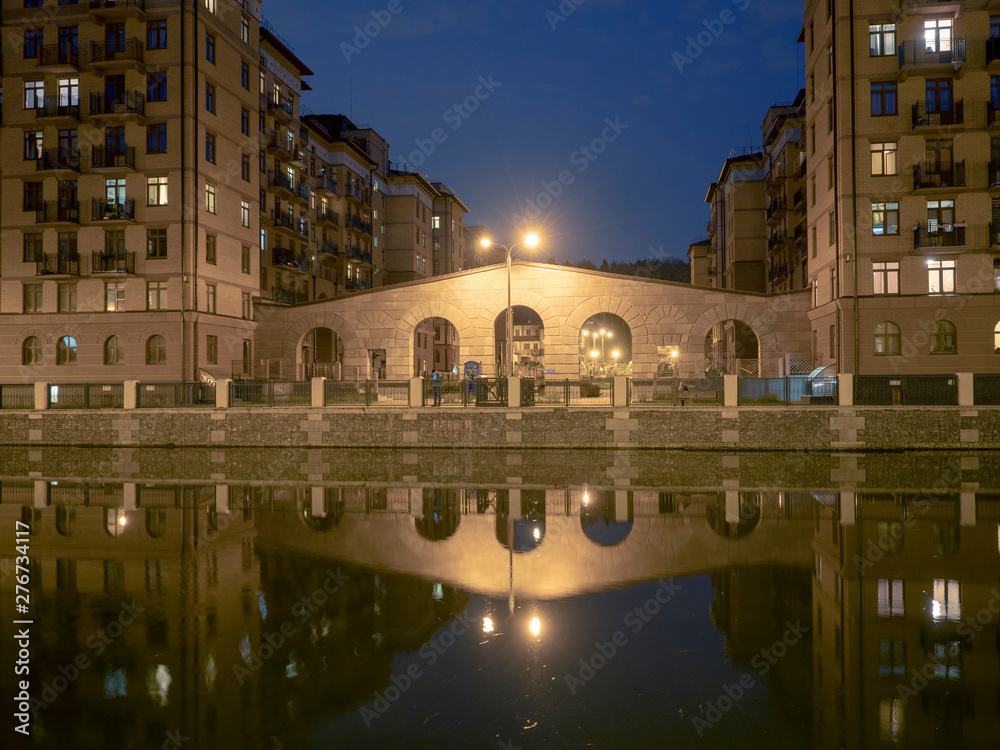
[
  {"x": 17, "y": 396},
  {"x": 675, "y": 391},
  {"x": 270, "y": 393},
  {"x": 453, "y": 392},
  {"x": 783, "y": 391},
  {"x": 592, "y": 392},
  {"x": 167, "y": 395},
  {"x": 87, "y": 396},
  {"x": 367, "y": 393},
  {"x": 986, "y": 390},
  {"x": 906, "y": 390}
]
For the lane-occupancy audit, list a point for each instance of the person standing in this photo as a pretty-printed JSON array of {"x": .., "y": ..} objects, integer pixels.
[{"x": 436, "y": 383}]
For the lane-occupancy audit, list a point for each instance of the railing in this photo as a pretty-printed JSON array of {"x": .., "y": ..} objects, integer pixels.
[
  {"x": 97, "y": 4},
  {"x": 330, "y": 217},
  {"x": 59, "y": 54},
  {"x": 257, "y": 369},
  {"x": 62, "y": 211},
  {"x": 171, "y": 395},
  {"x": 358, "y": 284},
  {"x": 116, "y": 50},
  {"x": 56, "y": 106},
  {"x": 928, "y": 175},
  {"x": 54, "y": 158},
  {"x": 674, "y": 391},
  {"x": 326, "y": 182},
  {"x": 799, "y": 199},
  {"x": 270, "y": 393},
  {"x": 358, "y": 223},
  {"x": 328, "y": 247},
  {"x": 112, "y": 158},
  {"x": 288, "y": 296},
  {"x": 587, "y": 392},
  {"x": 994, "y": 237},
  {"x": 774, "y": 208},
  {"x": 953, "y": 116},
  {"x": 777, "y": 273},
  {"x": 17, "y": 396},
  {"x": 355, "y": 252},
  {"x": 986, "y": 390},
  {"x": 393, "y": 393},
  {"x": 64, "y": 265},
  {"x": 352, "y": 191},
  {"x": 282, "y": 219},
  {"x": 129, "y": 103},
  {"x": 87, "y": 396},
  {"x": 917, "y": 53},
  {"x": 323, "y": 272},
  {"x": 281, "y": 180},
  {"x": 906, "y": 390},
  {"x": 280, "y": 104},
  {"x": 284, "y": 257},
  {"x": 123, "y": 262},
  {"x": 453, "y": 392},
  {"x": 274, "y": 141},
  {"x": 784, "y": 391},
  {"x": 102, "y": 210},
  {"x": 952, "y": 236}
]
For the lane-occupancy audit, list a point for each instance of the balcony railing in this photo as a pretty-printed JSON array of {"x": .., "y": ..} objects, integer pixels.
[
  {"x": 358, "y": 284},
  {"x": 352, "y": 191},
  {"x": 327, "y": 182},
  {"x": 328, "y": 247},
  {"x": 59, "y": 55},
  {"x": 281, "y": 142},
  {"x": 324, "y": 272},
  {"x": 288, "y": 296},
  {"x": 357, "y": 222},
  {"x": 800, "y": 171},
  {"x": 953, "y": 116},
  {"x": 357, "y": 253},
  {"x": 128, "y": 103},
  {"x": 117, "y": 50},
  {"x": 327, "y": 216},
  {"x": 280, "y": 104},
  {"x": 777, "y": 273},
  {"x": 101, "y": 210},
  {"x": 52, "y": 158},
  {"x": 992, "y": 49},
  {"x": 57, "y": 106},
  {"x": 776, "y": 208},
  {"x": 288, "y": 258},
  {"x": 928, "y": 175},
  {"x": 951, "y": 235},
  {"x": 993, "y": 172},
  {"x": 917, "y": 53},
  {"x": 798, "y": 200},
  {"x": 116, "y": 262},
  {"x": 775, "y": 241},
  {"x": 113, "y": 4},
  {"x": 62, "y": 211},
  {"x": 994, "y": 234},
  {"x": 112, "y": 158},
  {"x": 282, "y": 219},
  {"x": 63, "y": 265},
  {"x": 281, "y": 180}
]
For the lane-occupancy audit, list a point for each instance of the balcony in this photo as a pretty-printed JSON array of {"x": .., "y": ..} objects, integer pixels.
[
  {"x": 356, "y": 222},
  {"x": 114, "y": 262},
  {"x": 923, "y": 118},
  {"x": 327, "y": 182},
  {"x": 298, "y": 158},
  {"x": 279, "y": 143},
  {"x": 776, "y": 241},
  {"x": 59, "y": 58},
  {"x": 927, "y": 175},
  {"x": 282, "y": 219},
  {"x": 55, "y": 107},
  {"x": 917, "y": 56},
  {"x": 281, "y": 107},
  {"x": 51, "y": 212},
  {"x": 353, "y": 192},
  {"x": 776, "y": 177},
  {"x": 777, "y": 274},
  {"x": 994, "y": 234},
  {"x": 284, "y": 184},
  {"x": 58, "y": 265},
  {"x": 993, "y": 173},
  {"x": 288, "y": 296},
  {"x": 117, "y": 10},
  {"x": 951, "y": 235},
  {"x": 775, "y": 210},
  {"x": 118, "y": 53},
  {"x": 358, "y": 284},
  {"x": 992, "y": 49},
  {"x": 101, "y": 210},
  {"x": 129, "y": 103},
  {"x": 58, "y": 159},
  {"x": 325, "y": 272},
  {"x": 286, "y": 258},
  {"x": 355, "y": 252},
  {"x": 327, "y": 217},
  {"x": 300, "y": 192},
  {"x": 799, "y": 200},
  {"x": 800, "y": 171},
  {"x": 107, "y": 159},
  {"x": 326, "y": 247},
  {"x": 800, "y": 234}
]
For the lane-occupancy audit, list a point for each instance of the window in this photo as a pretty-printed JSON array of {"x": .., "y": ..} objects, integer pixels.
[
  {"x": 940, "y": 216},
  {"x": 212, "y": 349},
  {"x": 156, "y": 87},
  {"x": 947, "y": 603},
  {"x": 245, "y": 213},
  {"x": 891, "y": 658},
  {"x": 886, "y": 339},
  {"x": 890, "y": 597},
  {"x": 32, "y": 298},
  {"x": 156, "y": 295},
  {"x": 245, "y": 260},
  {"x": 156, "y": 350},
  {"x": 156, "y": 138},
  {"x": 210, "y": 98},
  {"x": 67, "y": 298},
  {"x": 210, "y": 6},
  {"x": 33, "y": 144},
  {"x": 210, "y": 297},
  {"x": 947, "y": 660},
  {"x": 829, "y": 58},
  {"x": 34, "y": 94},
  {"x": 66, "y": 351},
  {"x": 885, "y": 218},
  {"x": 114, "y": 296},
  {"x": 883, "y": 98},
  {"x": 940, "y": 276},
  {"x": 244, "y": 122},
  {"x": 32, "y": 196},
  {"x": 156, "y": 243},
  {"x": 210, "y": 48},
  {"x": 156, "y": 34},
  {"x": 884, "y": 159},
  {"x": 882, "y": 39},
  {"x": 996, "y": 274},
  {"x": 210, "y": 198},
  {"x": 937, "y": 34},
  {"x": 114, "y": 191},
  {"x": 938, "y": 100},
  {"x": 832, "y": 228},
  {"x": 113, "y": 354},
  {"x": 66, "y": 245},
  {"x": 263, "y": 164},
  {"x": 210, "y": 148},
  {"x": 32, "y": 247},
  {"x": 996, "y": 338},
  {"x": 247, "y": 306},
  {"x": 33, "y": 40},
  {"x": 435, "y": 222},
  {"x": 210, "y": 249},
  {"x": 245, "y": 167},
  {"x": 245, "y": 75},
  {"x": 885, "y": 277},
  {"x": 245, "y": 29},
  {"x": 156, "y": 191},
  {"x": 31, "y": 351},
  {"x": 942, "y": 337},
  {"x": 891, "y": 721},
  {"x": 831, "y": 172}
]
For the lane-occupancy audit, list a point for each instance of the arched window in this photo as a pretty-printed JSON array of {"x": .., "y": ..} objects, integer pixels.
[
  {"x": 65, "y": 520},
  {"x": 66, "y": 351},
  {"x": 996, "y": 338},
  {"x": 113, "y": 354},
  {"x": 886, "y": 338},
  {"x": 943, "y": 338},
  {"x": 156, "y": 350},
  {"x": 31, "y": 351}
]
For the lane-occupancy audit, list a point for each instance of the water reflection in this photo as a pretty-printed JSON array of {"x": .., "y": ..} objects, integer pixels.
[{"x": 859, "y": 609}]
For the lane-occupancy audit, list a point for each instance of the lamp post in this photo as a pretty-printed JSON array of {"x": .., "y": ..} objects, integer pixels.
[
  {"x": 615, "y": 354},
  {"x": 530, "y": 241}
]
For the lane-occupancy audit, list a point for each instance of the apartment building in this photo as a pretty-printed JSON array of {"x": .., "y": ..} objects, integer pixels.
[
  {"x": 448, "y": 231},
  {"x": 902, "y": 147},
  {"x": 409, "y": 213}
]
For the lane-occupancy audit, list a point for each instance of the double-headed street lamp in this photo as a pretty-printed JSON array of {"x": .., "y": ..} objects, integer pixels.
[{"x": 530, "y": 241}]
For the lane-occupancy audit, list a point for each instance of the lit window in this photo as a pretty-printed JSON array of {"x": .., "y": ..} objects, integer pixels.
[
  {"x": 886, "y": 277},
  {"x": 66, "y": 351},
  {"x": 210, "y": 198},
  {"x": 890, "y": 597},
  {"x": 947, "y": 604},
  {"x": 245, "y": 213},
  {"x": 886, "y": 340},
  {"x": 156, "y": 191},
  {"x": 885, "y": 218},
  {"x": 940, "y": 276},
  {"x": 882, "y": 39},
  {"x": 890, "y": 720},
  {"x": 884, "y": 161}
]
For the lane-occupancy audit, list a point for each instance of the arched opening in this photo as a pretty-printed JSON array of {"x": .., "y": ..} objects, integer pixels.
[
  {"x": 31, "y": 351},
  {"x": 732, "y": 347},
  {"x": 156, "y": 350},
  {"x": 527, "y": 532},
  {"x": 65, "y": 520},
  {"x": 435, "y": 347},
  {"x": 322, "y": 514},
  {"x": 113, "y": 354},
  {"x": 605, "y": 346},
  {"x": 606, "y": 516},
  {"x": 156, "y": 522},
  {"x": 115, "y": 521},
  {"x": 527, "y": 345},
  {"x": 442, "y": 514},
  {"x": 746, "y": 521},
  {"x": 66, "y": 351},
  {"x": 321, "y": 354}
]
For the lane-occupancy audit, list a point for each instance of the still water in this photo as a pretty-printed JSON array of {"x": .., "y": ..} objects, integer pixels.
[{"x": 245, "y": 599}]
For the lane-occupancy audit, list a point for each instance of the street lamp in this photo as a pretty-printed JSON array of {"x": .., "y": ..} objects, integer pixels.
[
  {"x": 593, "y": 356},
  {"x": 530, "y": 241},
  {"x": 615, "y": 354}
]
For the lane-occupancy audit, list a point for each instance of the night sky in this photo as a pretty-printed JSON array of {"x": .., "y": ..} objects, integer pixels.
[{"x": 515, "y": 88}]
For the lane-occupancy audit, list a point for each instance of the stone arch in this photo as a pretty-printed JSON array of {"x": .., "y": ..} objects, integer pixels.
[
  {"x": 643, "y": 348},
  {"x": 758, "y": 320},
  {"x": 116, "y": 331},
  {"x": 291, "y": 342},
  {"x": 38, "y": 333},
  {"x": 497, "y": 305},
  {"x": 155, "y": 330},
  {"x": 405, "y": 332}
]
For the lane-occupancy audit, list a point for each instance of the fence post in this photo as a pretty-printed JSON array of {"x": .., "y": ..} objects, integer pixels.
[
  {"x": 130, "y": 397},
  {"x": 514, "y": 392},
  {"x": 966, "y": 390},
  {"x": 41, "y": 395},
  {"x": 620, "y": 391},
  {"x": 730, "y": 390},
  {"x": 416, "y": 391},
  {"x": 317, "y": 396},
  {"x": 222, "y": 386},
  {"x": 845, "y": 388}
]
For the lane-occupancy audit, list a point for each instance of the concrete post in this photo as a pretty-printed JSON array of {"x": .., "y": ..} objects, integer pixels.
[
  {"x": 846, "y": 507},
  {"x": 730, "y": 390},
  {"x": 514, "y": 392},
  {"x": 621, "y": 392},
  {"x": 318, "y": 392},
  {"x": 732, "y": 503},
  {"x": 222, "y": 393},
  {"x": 621, "y": 505},
  {"x": 41, "y": 499},
  {"x": 845, "y": 388},
  {"x": 222, "y": 498},
  {"x": 41, "y": 395},
  {"x": 416, "y": 391},
  {"x": 514, "y": 503},
  {"x": 966, "y": 391},
  {"x": 317, "y": 502},
  {"x": 131, "y": 395},
  {"x": 967, "y": 509},
  {"x": 130, "y": 497},
  {"x": 417, "y": 498}
]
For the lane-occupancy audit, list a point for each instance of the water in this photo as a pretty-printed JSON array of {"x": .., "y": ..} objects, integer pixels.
[{"x": 469, "y": 599}]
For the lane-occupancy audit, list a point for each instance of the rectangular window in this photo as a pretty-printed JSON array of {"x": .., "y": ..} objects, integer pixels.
[
  {"x": 247, "y": 308},
  {"x": 883, "y": 98},
  {"x": 32, "y": 196},
  {"x": 33, "y": 145},
  {"x": 212, "y": 349},
  {"x": 885, "y": 218},
  {"x": 245, "y": 213},
  {"x": 244, "y": 122},
  {"x": 156, "y": 138},
  {"x": 210, "y": 198},
  {"x": 890, "y": 597},
  {"x": 156, "y": 87},
  {"x": 245, "y": 167},
  {"x": 435, "y": 222},
  {"x": 832, "y": 229},
  {"x": 210, "y": 148},
  {"x": 156, "y": 295},
  {"x": 156, "y": 191},
  {"x": 882, "y": 39},
  {"x": 891, "y": 658},
  {"x": 830, "y": 172},
  {"x": 245, "y": 29},
  {"x": 814, "y": 242},
  {"x": 245, "y": 260},
  {"x": 156, "y": 243},
  {"x": 940, "y": 276},
  {"x": 32, "y": 247},
  {"x": 32, "y": 298},
  {"x": 885, "y": 277},
  {"x": 34, "y": 94},
  {"x": 940, "y": 216},
  {"x": 245, "y": 75},
  {"x": 210, "y": 256},
  {"x": 996, "y": 274},
  {"x": 210, "y": 98},
  {"x": 67, "y": 298},
  {"x": 884, "y": 159},
  {"x": 210, "y": 297},
  {"x": 156, "y": 34},
  {"x": 210, "y": 6},
  {"x": 33, "y": 40},
  {"x": 210, "y": 48},
  {"x": 114, "y": 296},
  {"x": 947, "y": 603}
]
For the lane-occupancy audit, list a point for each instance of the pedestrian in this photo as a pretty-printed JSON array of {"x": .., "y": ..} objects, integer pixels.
[{"x": 436, "y": 383}]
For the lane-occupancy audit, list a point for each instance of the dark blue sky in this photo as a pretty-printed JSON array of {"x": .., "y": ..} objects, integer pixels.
[{"x": 556, "y": 86}]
